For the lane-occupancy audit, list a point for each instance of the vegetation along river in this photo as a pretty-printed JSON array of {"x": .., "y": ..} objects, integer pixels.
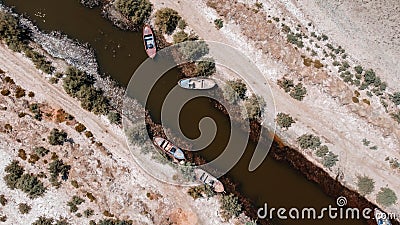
[{"x": 119, "y": 53}]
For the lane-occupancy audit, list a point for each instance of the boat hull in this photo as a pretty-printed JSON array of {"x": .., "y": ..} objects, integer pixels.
[
  {"x": 197, "y": 83},
  {"x": 149, "y": 41},
  {"x": 169, "y": 148},
  {"x": 208, "y": 179}
]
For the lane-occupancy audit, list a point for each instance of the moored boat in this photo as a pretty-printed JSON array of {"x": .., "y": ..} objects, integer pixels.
[
  {"x": 381, "y": 218},
  {"x": 169, "y": 148},
  {"x": 209, "y": 179},
  {"x": 197, "y": 83},
  {"x": 149, "y": 41}
]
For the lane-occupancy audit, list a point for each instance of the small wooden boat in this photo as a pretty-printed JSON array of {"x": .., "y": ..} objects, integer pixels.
[
  {"x": 209, "y": 179},
  {"x": 381, "y": 217},
  {"x": 197, "y": 83},
  {"x": 169, "y": 148},
  {"x": 149, "y": 41}
]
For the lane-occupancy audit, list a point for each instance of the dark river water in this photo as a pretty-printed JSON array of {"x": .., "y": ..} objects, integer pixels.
[{"x": 119, "y": 53}]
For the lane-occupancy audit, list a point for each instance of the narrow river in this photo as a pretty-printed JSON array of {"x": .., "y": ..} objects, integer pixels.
[{"x": 119, "y": 53}]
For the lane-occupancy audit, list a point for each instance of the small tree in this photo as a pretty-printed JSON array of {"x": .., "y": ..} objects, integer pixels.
[
  {"x": 365, "y": 185},
  {"x": 180, "y": 36},
  {"x": 24, "y": 208},
  {"x": 230, "y": 206},
  {"x": 330, "y": 160},
  {"x": 41, "y": 151},
  {"x": 205, "y": 68},
  {"x": 322, "y": 151},
  {"x": 284, "y": 120},
  {"x": 254, "y": 107},
  {"x": 298, "y": 92},
  {"x": 219, "y": 23},
  {"x": 395, "y": 98},
  {"x": 193, "y": 50},
  {"x": 235, "y": 90},
  {"x": 386, "y": 197},
  {"x": 286, "y": 84},
  {"x": 138, "y": 11},
  {"x": 166, "y": 20},
  {"x": 57, "y": 137},
  {"x": 114, "y": 117}
]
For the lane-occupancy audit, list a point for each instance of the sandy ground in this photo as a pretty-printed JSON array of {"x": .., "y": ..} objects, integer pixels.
[
  {"x": 327, "y": 111},
  {"x": 118, "y": 183}
]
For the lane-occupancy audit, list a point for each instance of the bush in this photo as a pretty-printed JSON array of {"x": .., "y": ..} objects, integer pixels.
[
  {"x": 57, "y": 137},
  {"x": 182, "y": 24},
  {"x": 396, "y": 116},
  {"x": 58, "y": 167},
  {"x": 295, "y": 39},
  {"x": 24, "y": 208},
  {"x": 193, "y": 50},
  {"x": 80, "y": 85},
  {"x": 386, "y": 197},
  {"x": 284, "y": 120},
  {"x": 80, "y": 128},
  {"x": 88, "y": 134},
  {"x": 3, "y": 200},
  {"x": 166, "y": 20},
  {"x": 11, "y": 32},
  {"x": 205, "y": 68},
  {"x": 358, "y": 69},
  {"x": 322, "y": 151},
  {"x": 31, "y": 185},
  {"x": 286, "y": 84},
  {"x": 309, "y": 141},
  {"x": 43, "y": 221},
  {"x": 19, "y": 92},
  {"x": 74, "y": 203},
  {"x": 395, "y": 98},
  {"x": 365, "y": 185},
  {"x": 370, "y": 77},
  {"x": 219, "y": 23},
  {"x": 137, "y": 134},
  {"x": 235, "y": 90},
  {"x": 196, "y": 192},
  {"x": 39, "y": 61},
  {"x": 15, "y": 171},
  {"x": 254, "y": 107},
  {"x": 180, "y": 36},
  {"x": 114, "y": 222},
  {"x": 88, "y": 213},
  {"x": 138, "y": 11},
  {"x": 5, "y": 92},
  {"x": 230, "y": 206},
  {"x": 114, "y": 117},
  {"x": 41, "y": 151},
  {"x": 330, "y": 160},
  {"x": 298, "y": 92}
]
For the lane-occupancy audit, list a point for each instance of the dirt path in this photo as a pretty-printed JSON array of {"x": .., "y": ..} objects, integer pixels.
[
  {"x": 185, "y": 209},
  {"x": 335, "y": 122}
]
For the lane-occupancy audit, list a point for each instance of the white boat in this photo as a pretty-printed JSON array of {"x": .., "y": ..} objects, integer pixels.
[
  {"x": 381, "y": 217},
  {"x": 209, "y": 179},
  {"x": 169, "y": 148},
  {"x": 197, "y": 83}
]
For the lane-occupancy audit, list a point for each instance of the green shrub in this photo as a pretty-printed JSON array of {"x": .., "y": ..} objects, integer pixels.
[
  {"x": 74, "y": 203},
  {"x": 114, "y": 117},
  {"x": 322, "y": 151},
  {"x": 80, "y": 85},
  {"x": 196, "y": 191},
  {"x": 330, "y": 160},
  {"x": 230, "y": 206},
  {"x": 284, "y": 120},
  {"x": 57, "y": 137},
  {"x": 31, "y": 185},
  {"x": 39, "y": 61},
  {"x": 295, "y": 39},
  {"x": 395, "y": 98},
  {"x": 180, "y": 36},
  {"x": 309, "y": 141},
  {"x": 56, "y": 168},
  {"x": 205, "y": 68},
  {"x": 286, "y": 84},
  {"x": 41, "y": 151},
  {"x": 24, "y": 208},
  {"x": 254, "y": 107},
  {"x": 298, "y": 92},
  {"x": 219, "y": 23},
  {"x": 43, "y": 221},
  {"x": 193, "y": 50},
  {"x": 358, "y": 69},
  {"x": 386, "y": 197},
  {"x": 365, "y": 185},
  {"x": 88, "y": 213},
  {"x": 235, "y": 90},
  {"x": 14, "y": 172},
  {"x": 114, "y": 222},
  {"x": 137, "y": 134},
  {"x": 138, "y": 11},
  {"x": 187, "y": 171},
  {"x": 182, "y": 24},
  {"x": 166, "y": 20},
  {"x": 11, "y": 32}
]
